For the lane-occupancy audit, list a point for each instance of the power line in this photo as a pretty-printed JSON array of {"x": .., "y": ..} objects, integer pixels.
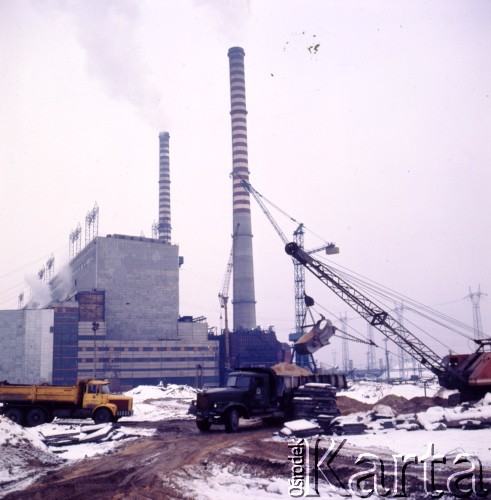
[{"x": 410, "y": 304}]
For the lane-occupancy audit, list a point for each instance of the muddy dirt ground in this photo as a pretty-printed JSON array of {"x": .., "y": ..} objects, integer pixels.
[{"x": 158, "y": 467}]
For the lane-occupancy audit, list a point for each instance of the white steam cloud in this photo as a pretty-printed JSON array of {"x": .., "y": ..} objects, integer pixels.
[
  {"x": 43, "y": 294},
  {"x": 40, "y": 293},
  {"x": 108, "y": 35},
  {"x": 62, "y": 285}
]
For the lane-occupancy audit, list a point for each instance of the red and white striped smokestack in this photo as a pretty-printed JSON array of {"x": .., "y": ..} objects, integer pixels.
[
  {"x": 244, "y": 303},
  {"x": 164, "y": 226}
]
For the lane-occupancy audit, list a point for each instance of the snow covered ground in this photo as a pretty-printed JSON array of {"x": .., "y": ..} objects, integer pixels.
[
  {"x": 371, "y": 392},
  {"x": 152, "y": 403},
  {"x": 222, "y": 483},
  {"x": 449, "y": 441},
  {"x": 24, "y": 456}
]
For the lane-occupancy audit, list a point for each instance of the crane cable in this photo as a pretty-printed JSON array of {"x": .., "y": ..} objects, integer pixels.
[
  {"x": 378, "y": 294},
  {"x": 363, "y": 282},
  {"x": 351, "y": 337},
  {"x": 417, "y": 307}
]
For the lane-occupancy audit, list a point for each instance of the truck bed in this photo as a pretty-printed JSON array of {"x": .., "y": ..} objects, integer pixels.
[{"x": 38, "y": 393}]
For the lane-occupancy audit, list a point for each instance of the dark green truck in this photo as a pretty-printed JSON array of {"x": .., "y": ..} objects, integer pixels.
[{"x": 284, "y": 392}]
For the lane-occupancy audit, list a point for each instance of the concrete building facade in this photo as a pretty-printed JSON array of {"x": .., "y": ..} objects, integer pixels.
[
  {"x": 65, "y": 343},
  {"x": 140, "y": 277},
  {"x": 126, "y": 291},
  {"x": 26, "y": 337},
  {"x": 120, "y": 321}
]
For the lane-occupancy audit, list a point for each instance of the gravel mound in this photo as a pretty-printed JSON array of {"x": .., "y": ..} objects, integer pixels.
[{"x": 399, "y": 404}]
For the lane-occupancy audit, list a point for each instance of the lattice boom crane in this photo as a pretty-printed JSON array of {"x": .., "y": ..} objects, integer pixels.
[{"x": 469, "y": 373}]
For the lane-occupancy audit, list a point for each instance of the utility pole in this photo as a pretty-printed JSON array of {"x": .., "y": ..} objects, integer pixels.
[
  {"x": 387, "y": 360},
  {"x": 95, "y": 327},
  {"x": 475, "y": 298},
  {"x": 402, "y": 353},
  {"x": 344, "y": 345},
  {"x": 371, "y": 349}
]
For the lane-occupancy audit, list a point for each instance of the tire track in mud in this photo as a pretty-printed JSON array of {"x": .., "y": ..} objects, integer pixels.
[
  {"x": 158, "y": 466},
  {"x": 145, "y": 468}
]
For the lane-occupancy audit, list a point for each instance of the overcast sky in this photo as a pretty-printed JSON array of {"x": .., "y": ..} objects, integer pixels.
[{"x": 369, "y": 121}]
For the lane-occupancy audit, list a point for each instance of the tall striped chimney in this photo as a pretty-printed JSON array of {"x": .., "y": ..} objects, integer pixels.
[
  {"x": 164, "y": 226},
  {"x": 244, "y": 303}
]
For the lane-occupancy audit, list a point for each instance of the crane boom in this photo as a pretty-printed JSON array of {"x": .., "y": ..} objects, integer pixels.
[
  {"x": 375, "y": 315},
  {"x": 223, "y": 296},
  {"x": 470, "y": 374},
  {"x": 258, "y": 198}
]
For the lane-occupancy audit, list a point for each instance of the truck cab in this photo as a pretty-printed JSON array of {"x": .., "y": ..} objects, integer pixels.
[
  {"x": 93, "y": 393},
  {"x": 248, "y": 393},
  {"x": 255, "y": 387},
  {"x": 104, "y": 406}
]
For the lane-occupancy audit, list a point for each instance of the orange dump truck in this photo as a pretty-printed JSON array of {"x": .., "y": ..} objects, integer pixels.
[{"x": 33, "y": 405}]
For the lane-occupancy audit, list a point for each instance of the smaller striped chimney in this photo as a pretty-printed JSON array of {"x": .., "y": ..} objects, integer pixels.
[{"x": 164, "y": 227}]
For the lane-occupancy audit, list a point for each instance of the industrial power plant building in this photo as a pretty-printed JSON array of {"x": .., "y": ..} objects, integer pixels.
[
  {"x": 140, "y": 277},
  {"x": 129, "y": 329},
  {"x": 120, "y": 322},
  {"x": 115, "y": 315}
]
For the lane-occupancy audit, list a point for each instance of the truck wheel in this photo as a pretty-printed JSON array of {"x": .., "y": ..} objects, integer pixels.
[
  {"x": 203, "y": 425},
  {"x": 36, "y": 416},
  {"x": 232, "y": 421},
  {"x": 15, "y": 414},
  {"x": 102, "y": 416}
]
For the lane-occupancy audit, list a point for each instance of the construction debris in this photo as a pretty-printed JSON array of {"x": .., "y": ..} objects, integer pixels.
[
  {"x": 85, "y": 434},
  {"x": 357, "y": 423},
  {"x": 316, "y": 401},
  {"x": 300, "y": 428},
  {"x": 382, "y": 412},
  {"x": 435, "y": 418}
]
